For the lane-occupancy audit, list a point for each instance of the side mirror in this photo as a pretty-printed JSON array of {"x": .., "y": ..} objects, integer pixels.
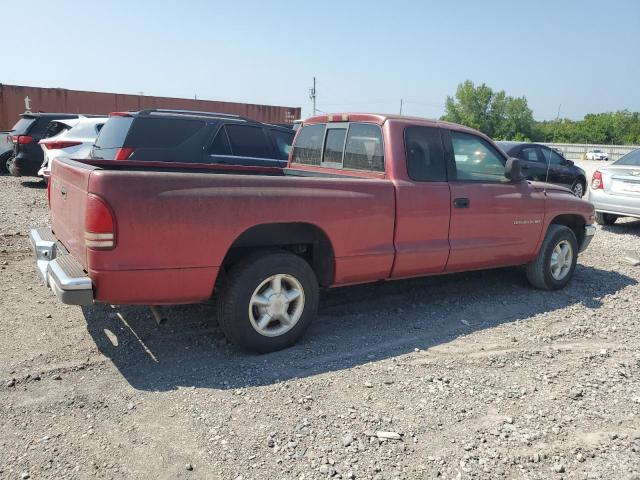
[
  {"x": 513, "y": 169},
  {"x": 571, "y": 163}
]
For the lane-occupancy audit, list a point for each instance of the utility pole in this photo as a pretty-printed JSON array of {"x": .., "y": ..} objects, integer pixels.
[
  {"x": 400, "y": 106},
  {"x": 312, "y": 95}
]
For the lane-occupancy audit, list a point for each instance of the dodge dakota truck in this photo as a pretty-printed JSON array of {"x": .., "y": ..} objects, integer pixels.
[{"x": 364, "y": 198}]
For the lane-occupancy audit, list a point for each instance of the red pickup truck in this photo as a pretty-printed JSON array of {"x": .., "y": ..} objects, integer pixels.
[{"x": 364, "y": 198}]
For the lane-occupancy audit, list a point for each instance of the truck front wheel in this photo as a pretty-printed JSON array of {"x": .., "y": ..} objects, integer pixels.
[
  {"x": 553, "y": 267},
  {"x": 267, "y": 301}
]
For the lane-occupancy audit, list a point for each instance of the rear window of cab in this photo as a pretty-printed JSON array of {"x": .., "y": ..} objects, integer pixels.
[{"x": 349, "y": 146}]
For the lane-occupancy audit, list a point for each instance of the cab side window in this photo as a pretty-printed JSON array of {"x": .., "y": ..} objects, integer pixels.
[
  {"x": 476, "y": 160},
  {"x": 425, "y": 154}
]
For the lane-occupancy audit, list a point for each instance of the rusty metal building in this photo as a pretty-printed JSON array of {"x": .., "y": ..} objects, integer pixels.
[{"x": 16, "y": 99}]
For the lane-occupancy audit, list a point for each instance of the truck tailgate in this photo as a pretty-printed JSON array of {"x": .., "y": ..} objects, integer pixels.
[{"x": 68, "y": 197}]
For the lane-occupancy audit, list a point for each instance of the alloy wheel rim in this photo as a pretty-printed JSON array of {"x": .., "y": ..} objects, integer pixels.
[
  {"x": 561, "y": 260},
  {"x": 276, "y": 305},
  {"x": 578, "y": 190}
]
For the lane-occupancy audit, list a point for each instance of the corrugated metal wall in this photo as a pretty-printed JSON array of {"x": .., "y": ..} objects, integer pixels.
[
  {"x": 575, "y": 151},
  {"x": 61, "y": 100}
]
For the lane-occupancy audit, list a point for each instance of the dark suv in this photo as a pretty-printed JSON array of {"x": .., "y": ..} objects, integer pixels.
[
  {"x": 542, "y": 163},
  {"x": 25, "y": 135},
  {"x": 192, "y": 137}
]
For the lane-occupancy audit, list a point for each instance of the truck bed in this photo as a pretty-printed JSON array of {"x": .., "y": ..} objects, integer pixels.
[{"x": 187, "y": 220}]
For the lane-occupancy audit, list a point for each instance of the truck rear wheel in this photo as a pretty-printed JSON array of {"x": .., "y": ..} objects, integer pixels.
[
  {"x": 267, "y": 301},
  {"x": 554, "y": 266}
]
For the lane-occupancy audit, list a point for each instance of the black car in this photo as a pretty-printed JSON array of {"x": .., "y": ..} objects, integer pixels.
[
  {"x": 25, "y": 135},
  {"x": 542, "y": 163},
  {"x": 6, "y": 151},
  {"x": 184, "y": 136}
]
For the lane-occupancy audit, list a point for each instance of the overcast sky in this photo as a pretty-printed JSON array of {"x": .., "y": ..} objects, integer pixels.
[{"x": 366, "y": 55}]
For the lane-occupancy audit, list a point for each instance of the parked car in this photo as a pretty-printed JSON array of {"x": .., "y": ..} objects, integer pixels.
[
  {"x": 25, "y": 135},
  {"x": 615, "y": 189},
  {"x": 542, "y": 163},
  {"x": 596, "y": 155},
  {"x": 6, "y": 151},
  {"x": 365, "y": 198},
  {"x": 74, "y": 142},
  {"x": 197, "y": 138}
]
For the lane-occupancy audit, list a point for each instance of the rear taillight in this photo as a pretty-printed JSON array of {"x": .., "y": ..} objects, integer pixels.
[
  {"x": 49, "y": 192},
  {"x": 596, "y": 181},
  {"x": 21, "y": 139},
  {"x": 99, "y": 224},
  {"x": 123, "y": 153},
  {"x": 55, "y": 145}
]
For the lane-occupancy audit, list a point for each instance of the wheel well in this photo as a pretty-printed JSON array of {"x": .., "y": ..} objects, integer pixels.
[
  {"x": 583, "y": 180},
  {"x": 575, "y": 222},
  {"x": 304, "y": 239}
]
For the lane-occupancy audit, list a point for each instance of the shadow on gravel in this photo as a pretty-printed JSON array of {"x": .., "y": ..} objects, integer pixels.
[
  {"x": 630, "y": 227},
  {"x": 34, "y": 184},
  {"x": 355, "y": 325}
]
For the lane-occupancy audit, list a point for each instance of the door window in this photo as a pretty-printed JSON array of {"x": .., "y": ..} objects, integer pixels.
[
  {"x": 249, "y": 141},
  {"x": 425, "y": 155},
  {"x": 476, "y": 160},
  {"x": 220, "y": 145},
  {"x": 552, "y": 157},
  {"x": 529, "y": 154}
]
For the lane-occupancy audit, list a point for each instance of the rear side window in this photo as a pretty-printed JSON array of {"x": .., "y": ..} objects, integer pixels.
[
  {"x": 425, "y": 154},
  {"x": 283, "y": 142},
  {"x": 114, "y": 132},
  {"x": 249, "y": 141},
  {"x": 161, "y": 132},
  {"x": 308, "y": 147},
  {"x": 22, "y": 126},
  {"x": 363, "y": 150},
  {"x": 55, "y": 128}
]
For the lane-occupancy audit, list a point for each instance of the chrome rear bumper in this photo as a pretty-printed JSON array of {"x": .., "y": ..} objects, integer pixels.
[{"x": 60, "y": 270}]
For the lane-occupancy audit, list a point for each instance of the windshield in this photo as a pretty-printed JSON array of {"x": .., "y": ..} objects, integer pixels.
[{"x": 631, "y": 158}]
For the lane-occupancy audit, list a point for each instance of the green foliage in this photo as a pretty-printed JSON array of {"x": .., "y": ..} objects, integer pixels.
[
  {"x": 507, "y": 118},
  {"x": 494, "y": 113},
  {"x": 613, "y": 128}
]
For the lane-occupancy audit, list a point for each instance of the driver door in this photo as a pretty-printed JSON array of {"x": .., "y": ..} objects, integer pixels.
[{"x": 494, "y": 222}]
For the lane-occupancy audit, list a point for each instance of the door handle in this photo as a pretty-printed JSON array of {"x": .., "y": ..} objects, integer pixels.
[{"x": 461, "y": 203}]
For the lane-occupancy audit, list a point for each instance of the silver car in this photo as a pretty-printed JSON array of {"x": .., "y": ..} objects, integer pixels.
[{"x": 615, "y": 189}]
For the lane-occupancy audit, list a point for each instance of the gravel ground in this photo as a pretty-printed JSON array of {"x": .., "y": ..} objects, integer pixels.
[{"x": 463, "y": 376}]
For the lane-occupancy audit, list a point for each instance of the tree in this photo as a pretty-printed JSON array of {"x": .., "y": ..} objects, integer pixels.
[{"x": 494, "y": 113}]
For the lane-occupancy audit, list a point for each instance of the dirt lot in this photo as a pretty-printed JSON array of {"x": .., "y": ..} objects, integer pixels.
[{"x": 481, "y": 377}]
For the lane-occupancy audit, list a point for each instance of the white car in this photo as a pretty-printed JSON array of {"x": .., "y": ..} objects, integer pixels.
[
  {"x": 73, "y": 142},
  {"x": 597, "y": 155}
]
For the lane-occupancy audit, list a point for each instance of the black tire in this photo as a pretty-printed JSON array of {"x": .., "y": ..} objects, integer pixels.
[
  {"x": 605, "y": 218},
  {"x": 238, "y": 287},
  {"x": 4, "y": 159},
  {"x": 583, "y": 183},
  {"x": 539, "y": 270}
]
